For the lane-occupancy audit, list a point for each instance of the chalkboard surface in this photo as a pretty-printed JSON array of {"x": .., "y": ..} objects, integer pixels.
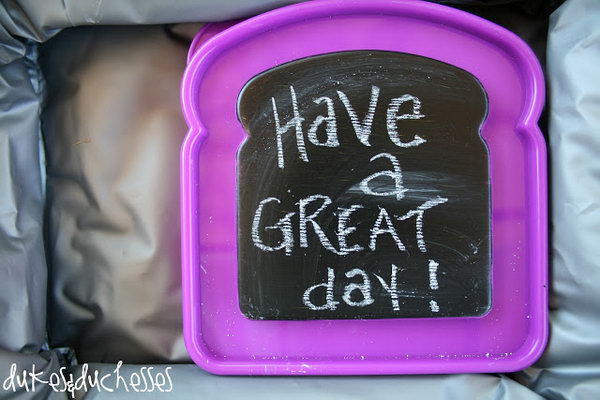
[{"x": 363, "y": 190}]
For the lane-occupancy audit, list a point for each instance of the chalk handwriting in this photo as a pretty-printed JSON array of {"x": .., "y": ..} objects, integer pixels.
[
  {"x": 377, "y": 230},
  {"x": 419, "y": 213},
  {"x": 433, "y": 283},
  {"x": 393, "y": 117},
  {"x": 284, "y": 225},
  {"x": 306, "y": 219},
  {"x": 344, "y": 230},
  {"x": 395, "y": 175},
  {"x": 313, "y": 296},
  {"x": 362, "y": 127},
  {"x": 392, "y": 288},
  {"x": 364, "y": 288},
  {"x": 295, "y": 122},
  {"x": 330, "y": 125},
  {"x": 313, "y": 208},
  {"x": 330, "y": 303}
]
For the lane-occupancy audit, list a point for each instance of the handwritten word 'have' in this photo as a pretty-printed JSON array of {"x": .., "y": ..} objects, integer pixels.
[{"x": 362, "y": 128}]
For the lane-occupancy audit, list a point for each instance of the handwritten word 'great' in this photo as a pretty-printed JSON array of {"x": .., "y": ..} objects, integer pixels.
[{"x": 382, "y": 225}]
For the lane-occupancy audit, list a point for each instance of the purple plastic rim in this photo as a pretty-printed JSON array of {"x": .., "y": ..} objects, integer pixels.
[
  {"x": 536, "y": 189},
  {"x": 207, "y": 31},
  {"x": 199, "y": 38}
]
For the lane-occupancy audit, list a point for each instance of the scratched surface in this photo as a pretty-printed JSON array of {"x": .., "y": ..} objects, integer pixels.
[{"x": 422, "y": 250}]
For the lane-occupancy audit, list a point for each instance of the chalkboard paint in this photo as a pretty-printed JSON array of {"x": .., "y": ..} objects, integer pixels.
[{"x": 363, "y": 190}]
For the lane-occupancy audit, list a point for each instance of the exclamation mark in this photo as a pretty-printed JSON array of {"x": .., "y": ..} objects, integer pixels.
[{"x": 433, "y": 284}]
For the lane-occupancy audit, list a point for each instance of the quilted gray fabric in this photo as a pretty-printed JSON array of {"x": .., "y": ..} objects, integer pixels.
[{"x": 89, "y": 251}]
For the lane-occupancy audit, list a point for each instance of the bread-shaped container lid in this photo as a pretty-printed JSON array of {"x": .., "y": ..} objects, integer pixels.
[{"x": 363, "y": 191}]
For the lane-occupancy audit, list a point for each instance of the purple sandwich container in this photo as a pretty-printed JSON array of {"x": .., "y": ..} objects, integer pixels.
[{"x": 224, "y": 57}]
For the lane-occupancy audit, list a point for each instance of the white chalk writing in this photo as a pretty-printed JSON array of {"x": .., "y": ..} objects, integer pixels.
[
  {"x": 330, "y": 127},
  {"x": 362, "y": 129},
  {"x": 284, "y": 225},
  {"x": 295, "y": 122},
  {"x": 377, "y": 230},
  {"x": 395, "y": 175},
  {"x": 393, "y": 117},
  {"x": 364, "y": 288},
  {"x": 330, "y": 303},
  {"x": 419, "y": 213},
  {"x": 392, "y": 288}
]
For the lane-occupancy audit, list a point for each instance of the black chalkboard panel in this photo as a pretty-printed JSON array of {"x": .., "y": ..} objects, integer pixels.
[{"x": 363, "y": 190}]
